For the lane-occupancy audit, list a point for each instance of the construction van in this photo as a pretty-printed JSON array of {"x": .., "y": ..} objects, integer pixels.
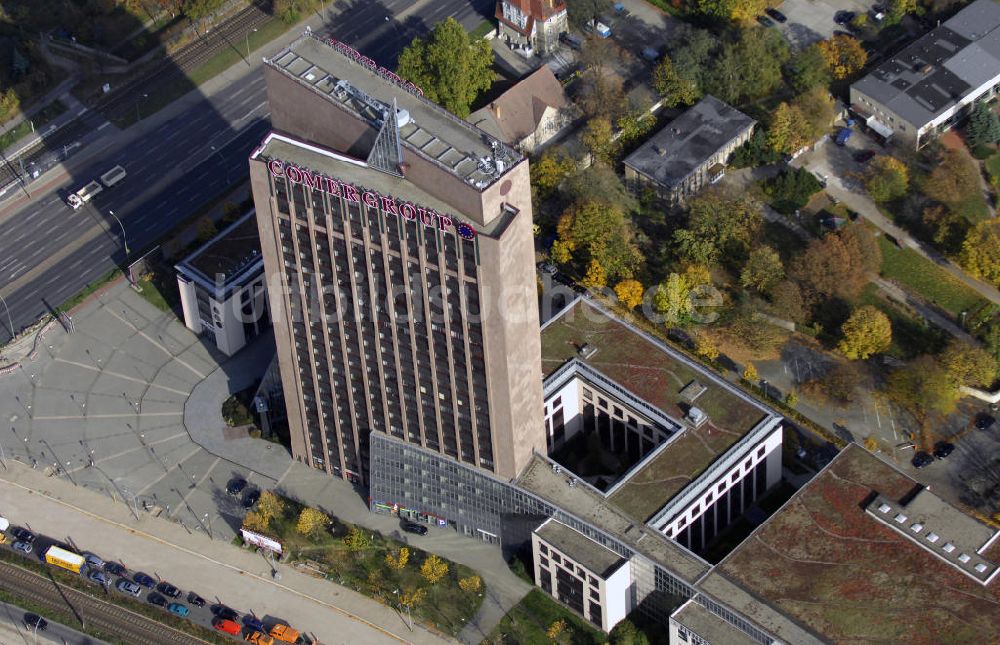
[
  {"x": 258, "y": 638},
  {"x": 286, "y": 634},
  {"x": 84, "y": 195},
  {"x": 113, "y": 176},
  {"x": 64, "y": 559}
]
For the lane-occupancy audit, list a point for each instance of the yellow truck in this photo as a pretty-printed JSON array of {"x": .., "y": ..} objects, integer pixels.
[
  {"x": 286, "y": 634},
  {"x": 64, "y": 559},
  {"x": 258, "y": 638}
]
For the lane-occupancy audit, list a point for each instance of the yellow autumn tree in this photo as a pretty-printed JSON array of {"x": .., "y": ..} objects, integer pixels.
[
  {"x": 629, "y": 293},
  {"x": 311, "y": 522},
  {"x": 562, "y": 252},
  {"x": 433, "y": 569},
  {"x": 254, "y": 521},
  {"x": 270, "y": 505},
  {"x": 596, "y": 276},
  {"x": 556, "y": 629},
  {"x": 844, "y": 54},
  {"x": 705, "y": 346},
  {"x": 787, "y": 130},
  {"x": 412, "y": 597},
  {"x": 471, "y": 584},
  {"x": 397, "y": 561},
  {"x": 750, "y": 373}
]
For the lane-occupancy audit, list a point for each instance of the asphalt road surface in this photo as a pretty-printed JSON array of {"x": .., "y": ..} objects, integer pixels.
[
  {"x": 14, "y": 632},
  {"x": 48, "y": 252}
]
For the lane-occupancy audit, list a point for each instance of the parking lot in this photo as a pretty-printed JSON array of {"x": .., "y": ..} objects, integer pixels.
[{"x": 810, "y": 21}]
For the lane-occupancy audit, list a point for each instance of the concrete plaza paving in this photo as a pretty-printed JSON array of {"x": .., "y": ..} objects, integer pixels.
[{"x": 123, "y": 412}]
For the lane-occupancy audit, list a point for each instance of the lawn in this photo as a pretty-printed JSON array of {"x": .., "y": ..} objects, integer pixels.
[
  {"x": 528, "y": 622},
  {"x": 484, "y": 28},
  {"x": 152, "y": 293},
  {"x": 910, "y": 336},
  {"x": 993, "y": 166},
  {"x": 445, "y": 606},
  {"x": 28, "y": 126},
  {"x": 932, "y": 283}
]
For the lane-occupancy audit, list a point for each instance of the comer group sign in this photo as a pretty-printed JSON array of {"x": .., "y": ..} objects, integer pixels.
[{"x": 360, "y": 195}]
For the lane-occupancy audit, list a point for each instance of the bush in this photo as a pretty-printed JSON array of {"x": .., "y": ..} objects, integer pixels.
[
  {"x": 982, "y": 152},
  {"x": 755, "y": 152},
  {"x": 791, "y": 190},
  {"x": 235, "y": 413}
]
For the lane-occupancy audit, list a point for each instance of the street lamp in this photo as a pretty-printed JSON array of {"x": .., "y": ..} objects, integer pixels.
[
  {"x": 10, "y": 321},
  {"x": 248, "y": 46},
  {"x": 124, "y": 239},
  {"x": 138, "y": 117}
]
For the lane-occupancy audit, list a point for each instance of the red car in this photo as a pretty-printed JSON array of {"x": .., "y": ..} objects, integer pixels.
[{"x": 227, "y": 626}]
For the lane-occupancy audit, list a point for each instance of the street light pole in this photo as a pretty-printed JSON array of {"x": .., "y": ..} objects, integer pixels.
[
  {"x": 124, "y": 239},
  {"x": 248, "y": 46}
]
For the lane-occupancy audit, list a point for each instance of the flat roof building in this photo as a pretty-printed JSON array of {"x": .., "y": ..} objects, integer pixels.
[
  {"x": 222, "y": 288},
  {"x": 690, "y": 152},
  {"x": 398, "y": 247},
  {"x": 930, "y": 85}
]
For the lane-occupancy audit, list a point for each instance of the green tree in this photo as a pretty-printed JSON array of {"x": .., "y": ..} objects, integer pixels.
[
  {"x": 597, "y": 139},
  {"x": 356, "y": 540},
  {"x": 549, "y": 171},
  {"x": 980, "y": 254},
  {"x": 197, "y": 9},
  {"x": 896, "y": 9},
  {"x": 946, "y": 227},
  {"x": 626, "y": 633},
  {"x": 791, "y": 189},
  {"x": 629, "y": 293},
  {"x": 719, "y": 225},
  {"x": 808, "y": 69},
  {"x": 866, "y": 332},
  {"x": 311, "y": 522},
  {"x": 692, "y": 51},
  {"x": 818, "y": 110},
  {"x": 634, "y": 126},
  {"x": 672, "y": 87},
  {"x": 597, "y": 230},
  {"x": 672, "y": 300},
  {"x": 580, "y": 12},
  {"x": 954, "y": 179},
  {"x": 968, "y": 364},
  {"x": 763, "y": 270},
  {"x": 449, "y": 67},
  {"x": 887, "y": 178},
  {"x": 736, "y": 10},
  {"x": 984, "y": 126},
  {"x": 206, "y": 229},
  {"x": 433, "y": 569},
  {"x": 748, "y": 67},
  {"x": 923, "y": 386}
]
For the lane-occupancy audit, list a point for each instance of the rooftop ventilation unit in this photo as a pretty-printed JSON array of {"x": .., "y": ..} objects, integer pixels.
[
  {"x": 696, "y": 416},
  {"x": 556, "y": 468},
  {"x": 587, "y": 351},
  {"x": 572, "y": 482}
]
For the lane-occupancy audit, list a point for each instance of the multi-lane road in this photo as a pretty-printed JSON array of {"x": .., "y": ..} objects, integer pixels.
[{"x": 49, "y": 252}]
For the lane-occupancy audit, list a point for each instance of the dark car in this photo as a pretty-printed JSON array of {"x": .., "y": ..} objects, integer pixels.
[
  {"x": 251, "y": 498},
  {"x": 115, "y": 569},
  {"x": 765, "y": 21},
  {"x": 253, "y": 624},
  {"x": 943, "y": 448},
  {"x": 413, "y": 527},
  {"x": 24, "y": 535},
  {"x": 777, "y": 15},
  {"x": 226, "y": 613},
  {"x": 144, "y": 580},
  {"x": 168, "y": 589},
  {"x": 844, "y": 17},
  {"x": 195, "y": 599},
  {"x": 864, "y": 156},
  {"x": 156, "y": 599},
  {"x": 236, "y": 486},
  {"x": 35, "y": 622},
  {"x": 984, "y": 422},
  {"x": 98, "y": 577},
  {"x": 921, "y": 459}
]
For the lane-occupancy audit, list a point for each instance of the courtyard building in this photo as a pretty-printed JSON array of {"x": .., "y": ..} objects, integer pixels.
[
  {"x": 528, "y": 115},
  {"x": 398, "y": 248}
]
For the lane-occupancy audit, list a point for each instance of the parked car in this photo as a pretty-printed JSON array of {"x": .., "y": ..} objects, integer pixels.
[
  {"x": 777, "y": 15},
  {"x": 984, "y": 422},
  {"x": 115, "y": 569},
  {"x": 651, "y": 54},
  {"x": 765, "y": 21},
  {"x": 156, "y": 599},
  {"x": 254, "y": 624},
  {"x": 864, "y": 156},
  {"x": 843, "y": 17},
  {"x": 168, "y": 589},
  {"x": 24, "y": 535},
  {"x": 98, "y": 577},
  {"x": 22, "y": 546},
  {"x": 236, "y": 486},
  {"x": 93, "y": 561},
  {"x": 144, "y": 580},
  {"x": 572, "y": 41},
  {"x": 226, "y": 613},
  {"x": 128, "y": 587},
  {"x": 226, "y": 626},
  {"x": 195, "y": 599},
  {"x": 178, "y": 609},
  {"x": 943, "y": 448},
  {"x": 35, "y": 622},
  {"x": 251, "y": 498},
  {"x": 922, "y": 459},
  {"x": 413, "y": 527}
]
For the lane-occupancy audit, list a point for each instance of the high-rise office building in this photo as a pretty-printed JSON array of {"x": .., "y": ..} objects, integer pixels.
[{"x": 397, "y": 242}]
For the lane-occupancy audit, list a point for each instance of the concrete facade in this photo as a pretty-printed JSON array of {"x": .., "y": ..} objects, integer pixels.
[{"x": 411, "y": 311}]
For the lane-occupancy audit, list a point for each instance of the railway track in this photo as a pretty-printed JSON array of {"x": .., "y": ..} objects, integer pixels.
[{"x": 103, "y": 616}]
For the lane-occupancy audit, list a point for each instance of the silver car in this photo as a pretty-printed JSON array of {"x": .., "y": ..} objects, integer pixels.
[
  {"x": 20, "y": 545},
  {"x": 129, "y": 587}
]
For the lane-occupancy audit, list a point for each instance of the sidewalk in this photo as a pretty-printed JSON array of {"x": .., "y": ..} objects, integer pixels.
[{"x": 241, "y": 578}]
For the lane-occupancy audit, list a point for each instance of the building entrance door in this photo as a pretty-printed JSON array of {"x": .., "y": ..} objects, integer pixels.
[{"x": 486, "y": 536}]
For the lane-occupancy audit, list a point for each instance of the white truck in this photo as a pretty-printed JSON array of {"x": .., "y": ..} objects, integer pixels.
[
  {"x": 84, "y": 195},
  {"x": 113, "y": 176}
]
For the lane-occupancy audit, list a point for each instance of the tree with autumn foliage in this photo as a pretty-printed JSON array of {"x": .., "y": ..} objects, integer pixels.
[
  {"x": 595, "y": 277},
  {"x": 256, "y": 522},
  {"x": 980, "y": 254},
  {"x": 887, "y": 178},
  {"x": 672, "y": 87},
  {"x": 763, "y": 270},
  {"x": 844, "y": 55},
  {"x": 548, "y": 171},
  {"x": 720, "y": 225},
  {"x": 750, "y": 374},
  {"x": 923, "y": 386},
  {"x": 836, "y": 264},
  {"x": 866, "y": 332},
  {"x": 597, "y": 230},
  {"x": 630, "y": 293},
  {"x": 472, "y": 584},
  {"x": 597, "y": 138},
  {"x": 397, "y": 561},
  {"x": 968, "y": 364},
  {"x": 412, "y": 597},
  {"x": 744, "y": 11},
  {"x": 953, "y": 179},
  {"x": 705, "y": 346},
  {"x": 787, "y": 131},
  {"x": 433, "y": 569},
  {"x": 311, "y": 522}
]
